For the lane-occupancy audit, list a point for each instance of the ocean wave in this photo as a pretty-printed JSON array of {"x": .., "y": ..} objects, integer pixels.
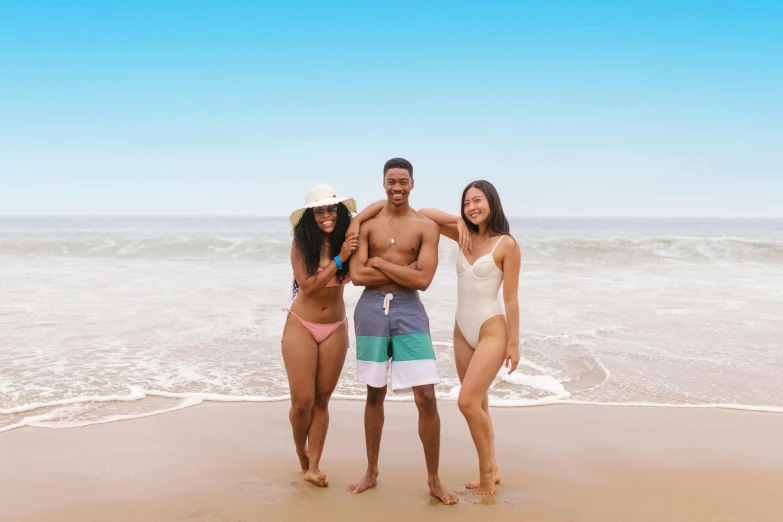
[
  {"x": 653, "y": 249},
  {"x": 137, "y": 394},
  {"x": 134, "y": 395},
  {"x": 159, "y": 247},
  {"x": 566, "y": 250}
]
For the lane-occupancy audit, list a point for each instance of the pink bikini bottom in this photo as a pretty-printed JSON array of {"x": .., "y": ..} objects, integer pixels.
[{"x": 319, "y": 331}]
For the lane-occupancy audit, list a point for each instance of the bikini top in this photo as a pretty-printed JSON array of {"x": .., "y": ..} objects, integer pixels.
[{"x": 334, "y": 281}]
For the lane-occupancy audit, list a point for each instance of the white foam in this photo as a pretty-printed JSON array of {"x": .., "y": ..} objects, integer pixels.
[
  {"x": 545, "y": 401},
  {"x": 391, "y": 397},
  {"x": 135, "y": 395},
  {"x": 719, "y": 406},
  {"x": 553, "y": 400},
  {"x": 216, "y": 397},
  {"x": 39, "y": 421},
  {"x": 30, "y": 421},
  {"x": 560, "y": 396},
  {"x": 531, "y": 364},
  {"x": 521, "y": 403},
  {"x": 541, "y": 382}
]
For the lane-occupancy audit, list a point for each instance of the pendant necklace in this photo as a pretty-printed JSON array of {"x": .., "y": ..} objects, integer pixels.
[
  {"x": 386, "y": 218},
  {"x": 479, "y": 241}
]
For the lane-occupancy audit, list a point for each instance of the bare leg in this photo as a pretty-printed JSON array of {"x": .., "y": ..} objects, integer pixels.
[
  {"x": 429, "y": 433},
  {"x": 331, "y": 356},
  {"x": 373, "y": 429},
  {"x": 300, "y": 355},
  {"x": 485, "y": 406},
  {"x": 482, "y": 367},
  {"x": 463, "y": 353}
]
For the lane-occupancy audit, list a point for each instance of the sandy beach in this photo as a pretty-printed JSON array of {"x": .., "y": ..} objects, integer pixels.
[
  {"x": 235, "y": 462},
  {"x": 178, "y": 181}
]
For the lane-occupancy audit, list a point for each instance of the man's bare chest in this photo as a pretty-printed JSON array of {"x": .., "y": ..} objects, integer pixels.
[{"x": 405, "y": 242}]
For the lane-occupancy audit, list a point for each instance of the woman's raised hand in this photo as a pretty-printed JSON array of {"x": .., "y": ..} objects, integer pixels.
[
  {"x": 464, "y": 235},
  {"x": 350, "y": 245},
  {"x": 353, "y": 228}
]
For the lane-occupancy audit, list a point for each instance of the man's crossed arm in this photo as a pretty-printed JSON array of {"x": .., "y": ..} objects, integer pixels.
[{"x": 419, "y": 275}]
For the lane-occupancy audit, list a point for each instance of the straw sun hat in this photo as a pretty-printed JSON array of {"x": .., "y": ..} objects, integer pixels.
[{"x": 319, "y": 196}]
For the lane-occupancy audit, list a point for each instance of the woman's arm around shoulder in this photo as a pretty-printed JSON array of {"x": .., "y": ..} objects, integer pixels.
[
  {"x": 370, "y": 211},
  {"x": 451, "y": 226}
]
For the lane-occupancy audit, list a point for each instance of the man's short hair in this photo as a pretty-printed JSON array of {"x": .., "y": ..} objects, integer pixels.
[{"x": 398, "y": 163}]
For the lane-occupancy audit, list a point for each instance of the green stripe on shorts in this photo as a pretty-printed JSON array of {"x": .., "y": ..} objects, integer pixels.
[
  {"x": 412, "y": 347},
  {"x": 370, "y": 348},
  {"x": 409, "y": 347}
]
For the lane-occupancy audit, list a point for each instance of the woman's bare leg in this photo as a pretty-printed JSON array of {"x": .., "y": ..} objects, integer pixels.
[
  {"x": 300, "y": 355},
  {"x": 331, "y": 357},
  {"x": 481, "y": 370},
  {"x": 474, "y": 484}
]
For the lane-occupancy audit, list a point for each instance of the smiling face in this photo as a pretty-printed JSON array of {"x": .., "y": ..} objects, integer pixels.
[
  {"x": 475, "y": 207},
  {"x": 326, "y": 218},
  {"x": 398, "y": 184}
]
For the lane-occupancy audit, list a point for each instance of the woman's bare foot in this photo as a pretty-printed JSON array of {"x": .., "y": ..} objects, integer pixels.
[
  {"x": 316, "y": 477},
  {"x": 304, "y": 460},
  {"x": 486, "y": 485},
  {"x": 438, "y": 491},
  {"x": 477, "y": 483},
  {"x": 368, "y": 481}
]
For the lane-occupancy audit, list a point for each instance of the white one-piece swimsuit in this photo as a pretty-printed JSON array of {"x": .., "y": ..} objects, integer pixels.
[{"x": 478, "y": 286}]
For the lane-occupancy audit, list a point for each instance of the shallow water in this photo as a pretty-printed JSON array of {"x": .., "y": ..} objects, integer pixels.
[{"x": 109, "y": 318}]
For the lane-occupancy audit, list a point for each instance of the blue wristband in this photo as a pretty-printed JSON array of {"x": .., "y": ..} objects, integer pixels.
[{"x": 339, "y": 263}]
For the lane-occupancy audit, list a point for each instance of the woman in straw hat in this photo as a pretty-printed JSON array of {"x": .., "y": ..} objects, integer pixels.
[{"x": 315, "y": 339}]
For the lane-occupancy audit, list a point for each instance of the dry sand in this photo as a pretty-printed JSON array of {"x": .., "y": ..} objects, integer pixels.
[{"x": 236, "y": 462}]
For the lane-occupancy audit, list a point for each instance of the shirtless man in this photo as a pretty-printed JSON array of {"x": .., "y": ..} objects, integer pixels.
[{"x": 397, "y": 257}]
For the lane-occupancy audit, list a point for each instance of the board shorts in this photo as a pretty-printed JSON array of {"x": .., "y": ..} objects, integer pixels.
[{"x": 393, "y": 330}]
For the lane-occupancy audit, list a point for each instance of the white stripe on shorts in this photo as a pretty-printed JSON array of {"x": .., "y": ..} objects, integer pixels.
[
  {"x": 372, "y": 373},
  {"x": 407, "y": 374}
]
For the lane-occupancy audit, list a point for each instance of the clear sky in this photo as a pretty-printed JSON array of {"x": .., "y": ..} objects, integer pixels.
[{"x": 572, "y": 108}]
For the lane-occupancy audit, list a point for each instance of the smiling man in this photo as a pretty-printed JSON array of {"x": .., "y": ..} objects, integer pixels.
[{"x": 397, "y": 257}]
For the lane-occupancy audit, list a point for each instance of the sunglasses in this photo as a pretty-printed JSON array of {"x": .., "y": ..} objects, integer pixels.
[{"x": 331, "y": 209}]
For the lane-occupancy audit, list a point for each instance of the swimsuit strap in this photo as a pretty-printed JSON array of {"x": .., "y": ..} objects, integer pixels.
[
  {"x": 496, "y": 244},
  {"x": 290, "y": 312}
]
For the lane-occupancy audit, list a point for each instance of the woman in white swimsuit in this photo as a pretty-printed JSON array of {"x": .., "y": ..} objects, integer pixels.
[{"x": 484, "y": 338}]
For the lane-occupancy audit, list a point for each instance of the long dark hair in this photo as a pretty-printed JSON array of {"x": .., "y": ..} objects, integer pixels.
[
  {"x": 308, "y": 240},
  {"x": 496, "y": 222}
]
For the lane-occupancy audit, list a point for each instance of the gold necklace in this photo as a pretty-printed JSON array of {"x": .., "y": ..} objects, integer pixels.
[
  {"x": 386, "y": 218},
  {"x": 476, "y": 245}
]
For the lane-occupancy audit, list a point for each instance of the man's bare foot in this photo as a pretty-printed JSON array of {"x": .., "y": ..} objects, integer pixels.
[
  {"x": 368, "y": 481},
  {"x": 438, "y": 491},
  {"x": 317, "y": 478},
  {"x": 304, "y": 460}
]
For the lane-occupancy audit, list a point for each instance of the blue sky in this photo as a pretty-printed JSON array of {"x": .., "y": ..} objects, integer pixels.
[{"x": 668, "y": 108}]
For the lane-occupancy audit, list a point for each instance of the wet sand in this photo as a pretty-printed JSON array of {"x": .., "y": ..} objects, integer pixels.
[{"x": 236, "y": 462}]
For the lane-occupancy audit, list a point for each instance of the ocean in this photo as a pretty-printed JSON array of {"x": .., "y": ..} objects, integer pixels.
[{"x": 105, "y": 319}]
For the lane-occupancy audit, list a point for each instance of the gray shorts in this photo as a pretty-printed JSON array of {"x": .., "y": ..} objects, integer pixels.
[{"x": 393, "y": 330}]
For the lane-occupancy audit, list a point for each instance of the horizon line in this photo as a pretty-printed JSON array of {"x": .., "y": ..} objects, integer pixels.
[{"x": 278, "y": 216}]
